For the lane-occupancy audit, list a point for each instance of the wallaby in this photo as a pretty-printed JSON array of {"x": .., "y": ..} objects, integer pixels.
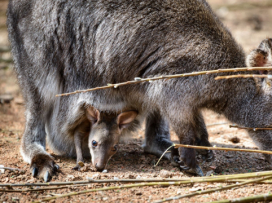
[
  {"x": 103, "y": 131},
  {"x": 63, "y": 46}
]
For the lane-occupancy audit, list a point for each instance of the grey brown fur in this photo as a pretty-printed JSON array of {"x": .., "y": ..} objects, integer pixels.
[{"x": 62, "y": 46}]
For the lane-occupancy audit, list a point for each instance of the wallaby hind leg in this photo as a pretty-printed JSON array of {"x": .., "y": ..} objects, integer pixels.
[
  {"x": 157, "y": 137},
  {"x": 80, "y": 134},
  {"x": 202, "y": 138},
  {"x": 33, "y": 147}
]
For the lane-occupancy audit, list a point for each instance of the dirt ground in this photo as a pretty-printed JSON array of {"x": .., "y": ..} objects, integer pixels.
[{"x": 250, "y": 22}]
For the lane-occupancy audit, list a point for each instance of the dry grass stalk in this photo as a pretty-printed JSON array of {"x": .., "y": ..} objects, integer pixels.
[
  {"x": 257, "y": 198},
  {"x": 11, "y": 169},
  {"x": 35, "y": 190},
  {"x": 243, "y": 76},
  {"x": 248, "y": 128},
  {"x": 223, "y": 148},
  {"x": 213, "y": 190},
  {"x": 189, "y": 181},
  {"x": 140, "y": 80},
  {"x": 4, "y": 49},
  {"x": 215, "y": 124}
]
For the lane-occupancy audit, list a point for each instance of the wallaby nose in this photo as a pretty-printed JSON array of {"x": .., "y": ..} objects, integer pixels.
[{"x": 99, "y": 167}]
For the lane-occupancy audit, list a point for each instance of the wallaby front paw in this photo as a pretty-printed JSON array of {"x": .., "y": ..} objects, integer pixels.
[{"x": 43, "y": 166}]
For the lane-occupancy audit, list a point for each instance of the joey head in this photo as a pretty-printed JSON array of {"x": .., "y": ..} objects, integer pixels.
[{"x": 103, "y": 136}]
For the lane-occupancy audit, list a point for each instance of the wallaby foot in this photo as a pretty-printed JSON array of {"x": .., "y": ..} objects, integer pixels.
[
  {"x": 196, "y": 171},
  {"x": 43, "y": 166},
  {"x": 188, "y": 162}
]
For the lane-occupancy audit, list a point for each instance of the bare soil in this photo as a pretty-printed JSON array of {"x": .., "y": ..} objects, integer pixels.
[{"x": 250, "y": 22}]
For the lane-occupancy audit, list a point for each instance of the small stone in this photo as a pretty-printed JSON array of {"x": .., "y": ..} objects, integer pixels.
[
  {"x": 105, "y": 171},
  {"x": 70, "y": 177},
  {"x": 129, "y": 176},
  {"x": 165, "y": 174},
  {"x": 213, "y": 167},
  {"x": 138, "y": 177},
  {"x": 138, "y": 193},
  {"x": 115, "y": 178},
  {"x": 194, "y": 189},
  {"x": 105, "y": 198},
  {"x": 2, "y": 170},
  {"x": 96, "y": 176}
]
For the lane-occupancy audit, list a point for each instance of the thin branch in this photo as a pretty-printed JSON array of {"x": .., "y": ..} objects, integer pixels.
[
  {"x": 223, "y": 148},
  {"x": 4, "y": 49},
  {"x": 163, "y": 154},
  {"x": 243, "y": 76},
  {"x": 213, "y": 190},
  {"x": 222, "y": 180},
  {"x": 257, "y": 198},
  {"x": 140, "y": 80},
  {"x": 11, "y": 169},
  {"x": 247, "y": 128},
  {"x": 191, "y": 180},
  {"x": 147, "y": 184},
  {"x": 35, "y": 190},
  {"x": 215, "y": 124}
]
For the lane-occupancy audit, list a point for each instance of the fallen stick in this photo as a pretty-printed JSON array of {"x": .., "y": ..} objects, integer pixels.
[
  {"x": 257, "y": 198},
  {"x": 4, "y": 49},
  {"x": 215, "y": 124},
  {"x": 143, "y": 185},
  {"x": 11, "y": 169},
  {"x": 35, "y": 190},
  {"x": 248, "y": 128},
  {"x": 213, "y": 190},
  {"x": 223, "y": 148},
  {"x": 191, "y": 180},
  {"x": 140, "y": 80}
]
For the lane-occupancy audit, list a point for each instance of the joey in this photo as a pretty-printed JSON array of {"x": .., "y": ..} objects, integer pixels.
[{"x": 103, "y": 136}]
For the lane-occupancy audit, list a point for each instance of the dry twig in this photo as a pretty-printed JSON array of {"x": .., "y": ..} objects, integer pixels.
[
  {"x": 191, "y": 180},
  {"x": 140, "y": 80},
  {"x": 223, "y": 148},
  {"x": 4, "y": 49},
  {"x": 214, "y": 190},
  {"x": 257, "y": 198},
  {"x": 188, "y": 181},
  {"x": 247, "y": 128},
  {"x": 11, "y": 169}
]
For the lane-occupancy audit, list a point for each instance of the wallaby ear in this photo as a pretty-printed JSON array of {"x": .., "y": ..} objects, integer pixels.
[
  {"x": 125, "y": 118},
  {"x": 92, "y": 114}
]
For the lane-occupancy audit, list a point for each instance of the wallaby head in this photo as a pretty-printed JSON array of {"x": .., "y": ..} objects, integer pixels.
[
  {"x": 105, "y": 133},
  {"x": 262, "y": 56}
]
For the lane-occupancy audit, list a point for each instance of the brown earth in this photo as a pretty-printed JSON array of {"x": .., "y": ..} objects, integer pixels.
[{"x": 250, "y": 22}]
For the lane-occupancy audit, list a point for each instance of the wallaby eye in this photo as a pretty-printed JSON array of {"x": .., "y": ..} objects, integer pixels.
[
  {"x": 264, "y": 57},
  {"x": 94, "y": 143},
  {"x": 114, "y": 148}
]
